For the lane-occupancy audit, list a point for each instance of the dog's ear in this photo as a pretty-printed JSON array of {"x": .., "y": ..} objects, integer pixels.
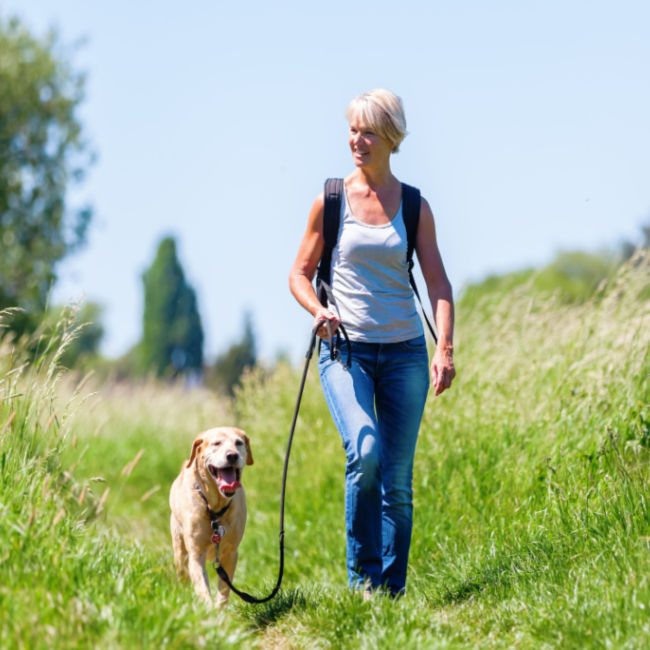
[
  {"x": 249, "y": 453},
  {"x": 195, "y": 447}
]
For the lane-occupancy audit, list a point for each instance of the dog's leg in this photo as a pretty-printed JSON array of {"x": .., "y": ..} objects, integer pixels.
[
  {"x": 198, "y": 574},
  {"x": 180, "y": 552},
  {"x": 228, "y": 560}
]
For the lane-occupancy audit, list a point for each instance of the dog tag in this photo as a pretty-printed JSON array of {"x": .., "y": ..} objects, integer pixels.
[{"x": 218, "y": 534}]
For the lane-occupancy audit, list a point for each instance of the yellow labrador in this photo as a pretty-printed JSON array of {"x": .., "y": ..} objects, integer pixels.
[{"x": 208, "y": 507}]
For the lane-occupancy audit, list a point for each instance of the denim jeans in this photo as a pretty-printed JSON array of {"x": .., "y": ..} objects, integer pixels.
[{"x": 377, "y": 407}]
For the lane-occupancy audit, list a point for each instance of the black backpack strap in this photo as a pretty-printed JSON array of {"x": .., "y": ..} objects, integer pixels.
[
  {"x": 331, "y": 219},
  {"x": 411, "y": 201},
  {"x": 411, "y": 214}
]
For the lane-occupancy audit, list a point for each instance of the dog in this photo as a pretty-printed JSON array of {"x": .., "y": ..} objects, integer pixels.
[{"x": 209, "y": 488}]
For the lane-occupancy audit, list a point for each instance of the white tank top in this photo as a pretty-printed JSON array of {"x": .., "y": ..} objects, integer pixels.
[{"x": 370, "y": 280}]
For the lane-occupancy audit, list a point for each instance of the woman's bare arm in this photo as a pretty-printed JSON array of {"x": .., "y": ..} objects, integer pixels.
[
  {"x": 440, "y": 295},
  {"x": 305, "y": 265}
]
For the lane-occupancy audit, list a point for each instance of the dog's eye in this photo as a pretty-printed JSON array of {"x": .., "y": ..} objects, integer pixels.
[
  {"x": 239, "y": 443},
  {"x": 216, "y": 443}
]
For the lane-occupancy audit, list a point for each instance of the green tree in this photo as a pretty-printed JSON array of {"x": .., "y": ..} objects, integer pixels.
[
  {"x": 576, "y": 275},
  {"x": 172, "y": 341},
  {"x": 228, "y": 368},
  {"x": 42, "y": 152}
]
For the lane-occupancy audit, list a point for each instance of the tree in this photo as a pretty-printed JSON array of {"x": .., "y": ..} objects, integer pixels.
[
  {"x": 172, "y": 341},
  {"x": 42, "y": 152},
  {"x": 228, "y": 368},
  {"x": 575, "y": 275}
]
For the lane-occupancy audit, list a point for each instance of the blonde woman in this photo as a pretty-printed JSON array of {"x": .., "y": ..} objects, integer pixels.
[{"x": 377, "y": 403}]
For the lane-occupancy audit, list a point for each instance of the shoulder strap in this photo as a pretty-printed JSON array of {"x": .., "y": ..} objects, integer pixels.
[
  {"x": 331, "y": 218},
  {"x": 411, "y": 214},
  {"x": 411, "y": 201}
]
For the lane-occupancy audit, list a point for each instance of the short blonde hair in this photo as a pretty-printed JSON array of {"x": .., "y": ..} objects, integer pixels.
[{"x": 383, "y": 112}]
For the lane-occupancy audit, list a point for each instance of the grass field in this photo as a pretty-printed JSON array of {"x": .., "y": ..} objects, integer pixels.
[{"x": 532, "y": 521}]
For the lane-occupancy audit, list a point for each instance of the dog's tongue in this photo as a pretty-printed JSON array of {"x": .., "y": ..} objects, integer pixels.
[{"x": 228, "y": 479}]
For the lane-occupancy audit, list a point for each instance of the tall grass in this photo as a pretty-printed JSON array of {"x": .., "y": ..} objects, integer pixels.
[
  {"x": 71, "y": 574},
  {"x": 532, "y": 524}
]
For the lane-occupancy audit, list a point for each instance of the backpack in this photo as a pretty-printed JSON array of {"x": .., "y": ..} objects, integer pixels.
[{"x": 332, "y": 218}]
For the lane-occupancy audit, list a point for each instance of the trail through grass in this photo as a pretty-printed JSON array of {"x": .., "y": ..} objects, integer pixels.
[{"x": 532, "y": 522}]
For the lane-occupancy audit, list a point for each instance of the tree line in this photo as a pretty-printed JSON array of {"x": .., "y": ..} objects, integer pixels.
[{"x": 43, "y": 154}]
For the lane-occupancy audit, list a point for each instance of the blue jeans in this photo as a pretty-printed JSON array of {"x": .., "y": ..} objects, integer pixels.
[{"x": 377, "y": 407}]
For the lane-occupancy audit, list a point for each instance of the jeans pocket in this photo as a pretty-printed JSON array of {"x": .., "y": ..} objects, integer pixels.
[{"x": 417, "y": 343}]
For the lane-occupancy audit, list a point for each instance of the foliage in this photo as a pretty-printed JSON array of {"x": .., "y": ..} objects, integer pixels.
[
  {"x": 172, "y": 340},
  {"x": 571, "y": 277},
  {"x": 574, "y": 275},
  {"x": 532, "y": 508},
  {"x": 229, "y": 367},
  {"x": 42, "y": 152}
]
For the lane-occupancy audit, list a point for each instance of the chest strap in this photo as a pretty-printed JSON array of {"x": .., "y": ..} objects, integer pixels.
[{"x": 215, "y": 515}]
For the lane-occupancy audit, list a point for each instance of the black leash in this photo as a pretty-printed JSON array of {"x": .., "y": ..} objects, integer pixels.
[{"x": 334, "y": 354}]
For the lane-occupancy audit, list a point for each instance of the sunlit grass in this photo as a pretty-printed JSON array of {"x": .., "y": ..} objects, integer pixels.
[{"x": 532, "y": 522}]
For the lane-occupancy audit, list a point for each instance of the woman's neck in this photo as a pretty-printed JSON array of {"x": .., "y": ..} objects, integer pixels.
[{"x": 374, "y": 178}]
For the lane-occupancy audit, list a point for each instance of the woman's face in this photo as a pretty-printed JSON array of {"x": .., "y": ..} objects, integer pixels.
[{"x": 367, "y": 147}]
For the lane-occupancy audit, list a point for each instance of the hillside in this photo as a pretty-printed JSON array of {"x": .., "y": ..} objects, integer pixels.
[{"x": 532, "y": 520}]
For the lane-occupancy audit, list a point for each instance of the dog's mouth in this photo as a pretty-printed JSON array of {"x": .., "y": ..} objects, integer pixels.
[{"x": 228, "y": 479}]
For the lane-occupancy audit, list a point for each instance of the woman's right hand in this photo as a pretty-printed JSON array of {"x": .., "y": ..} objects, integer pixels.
[{"x": 323, "y": 316}]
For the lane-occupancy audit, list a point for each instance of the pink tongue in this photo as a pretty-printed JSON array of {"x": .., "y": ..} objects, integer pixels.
[{"x": 228, "y": 479}]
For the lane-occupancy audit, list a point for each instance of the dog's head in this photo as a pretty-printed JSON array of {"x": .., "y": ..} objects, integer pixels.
[{"x": 221, "y": 454}]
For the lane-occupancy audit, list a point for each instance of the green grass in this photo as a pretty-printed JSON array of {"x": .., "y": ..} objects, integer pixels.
[{"x": 532, "y": 513}]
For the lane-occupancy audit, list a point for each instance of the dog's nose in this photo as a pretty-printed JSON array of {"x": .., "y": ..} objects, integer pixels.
[{"x": 232, "y": 457}]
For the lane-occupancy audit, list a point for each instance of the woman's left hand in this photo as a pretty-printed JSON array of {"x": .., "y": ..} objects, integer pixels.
[{"x": 442, "y": 369}]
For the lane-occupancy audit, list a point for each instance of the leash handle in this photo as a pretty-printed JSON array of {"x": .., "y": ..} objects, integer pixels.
[
  {"x": 330, "y": 337},
  {"x": 327, "y": 297},
  {"x": 334, "y": 343}
]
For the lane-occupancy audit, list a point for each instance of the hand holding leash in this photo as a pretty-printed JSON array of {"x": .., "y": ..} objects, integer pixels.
[{"x": 326, "y": 323}]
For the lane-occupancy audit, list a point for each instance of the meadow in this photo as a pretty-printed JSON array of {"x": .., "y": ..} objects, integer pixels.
[{"x": 532, "y": 516}]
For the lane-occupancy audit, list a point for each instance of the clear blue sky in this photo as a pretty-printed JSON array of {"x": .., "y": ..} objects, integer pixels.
[{"x": 217, "y": 122}]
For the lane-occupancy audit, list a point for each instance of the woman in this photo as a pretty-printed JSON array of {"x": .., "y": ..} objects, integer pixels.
[{"x": 377, "y": 403}]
